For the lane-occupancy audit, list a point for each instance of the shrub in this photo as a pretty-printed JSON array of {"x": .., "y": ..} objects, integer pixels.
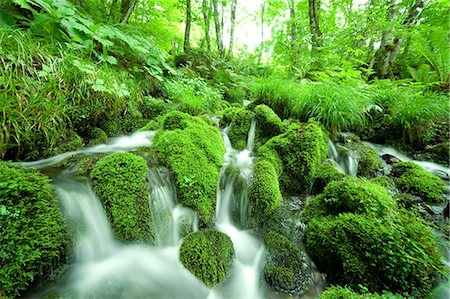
[
  {"x": 33, "y": 233},
  {"x": 120, "y": 180},
  {"x": 239, "y": 128},
  {"x": 285, "y": 270},
  {"x": 399, "y": 255},
  {"x": 336, "y": 292},
  {"x": 208, "y": 255},
  {"x": 302, "y": 149},
  {"x": 193, "y": 150},
  {"x": 265, "y": 191},
  {"x": 418, "y": 182},
  {"x": 368, "y": 161},
  {"x": 350, "y": 195},
  {"x": 326, "y": 173}
]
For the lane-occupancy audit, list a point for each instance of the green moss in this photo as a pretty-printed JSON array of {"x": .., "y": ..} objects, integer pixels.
[
  {"x": 151, "y": 108},
  {"x": 285, "y": 270},
  {"x": 399, "y": 254},
  {"x": 337, "y": 292},
  {"x": 302, "y": 149},
  {"x": 151, "y": 125},
  {"x": 193, "y": 150},
  {"x": 384, "y": 181},
  {"x": 326, "y": 173},
  {"x": 268, "y": 121},
  {"x": 97, "y": 136},
  {"x": 33, "y": 235},
  {"x": 228, "y": 115},
  {"x": 265, "y": 191},
  {"x": 350, "y": 195},
  {"x": 239, "y": 128},
  {"x": 120, "y": 180},
  {"x": 70, "y": 142},
  {"x": 368, "y": 161},
  {"x": 416, "y": 181},
  {"x": 208, "y": 255},
  {"x": 269, "y": 154}
]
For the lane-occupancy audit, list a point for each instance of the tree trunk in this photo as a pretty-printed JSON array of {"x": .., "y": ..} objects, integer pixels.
[
  {"x": 316, "y": 34},
  {"x": 294, "y": 47},
  {"x": 383, "y": 62},
  {"x": 219, "y": 36},
  {"x": 187, "y": 31},
  {"x": 263, "y": 11},
  {"x": 127, "y": 9},
  {"x": 232, "y": 26},
  {"x": 206, "y": 11}
]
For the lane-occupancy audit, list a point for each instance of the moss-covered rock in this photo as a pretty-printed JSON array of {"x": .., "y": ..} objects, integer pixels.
[
  {"x": 337, "y": 292},
  {"x": 120, "y": 180},
  {"x": 285, "y": 270},
  {"x": 67, "y": 143},
  {"x": 350, "y": 195},
  {"x": 270, "y": 154},
  {"x": 193, "y": 150},
  {"x": 368, "y": 161},
  {"x": 302, "y": 149},
  {"x": 208, "y": 255},
  {"x": 239, "y": 128},
  {"x": 33, "y": 234},
  {"x": 384, "y": 181},
  {"x": 397, "y": 254},
  {"x": 97, "y": 136},
  {"x": 264, "y": 193},
  {"x": 411, "y": 178},
  {"x": 151, "y": 108},
  {"x": 326, "y": 173},
  {"x": 268, "y": 122}
]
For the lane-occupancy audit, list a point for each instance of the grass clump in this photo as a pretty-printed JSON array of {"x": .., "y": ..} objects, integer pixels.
[
  {"x": 33, "y": 236},
  {"x": 120, "y": 180},
  {"x": 208, "y": 255},
  {"x": 411, "y": 178},
  {"x": 398, "y": 255},
  {"x": 337, "y": 292},
  {"x": 265, "y": 191},
  {"x": 193, "y": 150},
  {"x": 350, "y": 195}
]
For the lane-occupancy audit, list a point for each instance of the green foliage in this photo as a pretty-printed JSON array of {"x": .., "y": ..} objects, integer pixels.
[
  {"x": 33, "y": 234},
  {"x": 336, "y": 292},
  {"x": 350, "y": 195},
  {"x": 399, "y": 255},
  {"x": 239, "y": 128},
  {"x": 384, "y": 181},
  {"x": 302, "y": 150},
  {"x": 265, "y": 191},
  {"x": 193, "y": 150},
  {"x": 368, "y": 161},
  {"x": 208, "y": 255},
  {"x": 152, "y": 108},
  {"x": 285, "y": 270},
  {"x": 416, "y": 181},
  {"x": 326, "y": 173},
  {"x": 97, "y": 136},
  {"x": 120, "y": 180},
  {"x": 267, "y": 121}
]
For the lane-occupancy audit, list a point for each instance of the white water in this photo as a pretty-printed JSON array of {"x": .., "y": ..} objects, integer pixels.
[
  {"x": 345, "y": 159},
  {"x": 114, "y": 144}
]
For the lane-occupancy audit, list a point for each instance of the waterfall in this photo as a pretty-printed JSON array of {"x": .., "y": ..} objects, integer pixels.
[{"x": 346, "y": 160}]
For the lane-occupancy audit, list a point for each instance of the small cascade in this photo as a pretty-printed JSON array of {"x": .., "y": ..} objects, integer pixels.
[
  {"x": 171, "y": 220},
  {"x": 345, "y": 159}
]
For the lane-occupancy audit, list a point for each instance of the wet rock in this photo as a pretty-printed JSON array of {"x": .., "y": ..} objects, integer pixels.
[
  {"x": 442, "y": 174},
  {"x": 390, "y": 159},
  {"x": 447, "y": 210}
]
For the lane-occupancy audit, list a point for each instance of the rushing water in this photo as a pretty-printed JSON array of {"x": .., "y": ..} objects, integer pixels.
[{"x": 345, "y": 159}]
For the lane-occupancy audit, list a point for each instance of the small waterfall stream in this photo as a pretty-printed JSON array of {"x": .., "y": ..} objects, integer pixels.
[{"x": 345, "y": 159}]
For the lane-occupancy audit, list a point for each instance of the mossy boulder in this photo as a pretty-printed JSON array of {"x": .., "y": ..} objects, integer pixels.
[
  {"x": 285, "y": 270},
  {"x": 268, "y": 122},
  {"x": 337, "y": 292},
  {"x": 326, "y": 174},
  {"x": 97, "y": 136},
  {"x": 398, "y": 254},
  {"x": 33, "y": 235},
  {"x": 151, "y": 108},
  {"x": 350, "y": 195},
  {"x": 384, "y": 181},
  {"x": 411, "y": 178},
  {"x": 207, "y": 254},
  {"x": 67, "y": 143},
  {"x": 193, "y": 150},
  {"x": 302, "y": 149},
  {"x": 120, "y": 180},
  {"x": 264, "y": 194},
  {"x": 368, "y": 161},
  {"x": 239, "y": 128}
]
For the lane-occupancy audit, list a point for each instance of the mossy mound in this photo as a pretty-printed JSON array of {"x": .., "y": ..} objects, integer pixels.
[
  {"x": 151, "y": 108},
  {"x": 326, "y": 174},
  {"x": 337, "y": 292},
  {"x": 411, "y": 178},
  {"x": 350, "y": 195},
  {"x": 239, "y": 128},
  {"x": 33, "y": 235},
  {"x": 368, "y": 161},
  {"x": 67, "y": 143},
  {"x": 193, "y": 150},
  {"x": 285, "y": 270},
  {"x": 208, "y": 255},
  {"x": 398, "y": 255},
  {"x": 120, "y": 180},
  {"x": 301, "y": 149},
  {"x": 96, "y": 136},
  {"x": 268, "y": 122},
  {"x": 265, "y": 191},
  {"x": 384, "y": 181}
]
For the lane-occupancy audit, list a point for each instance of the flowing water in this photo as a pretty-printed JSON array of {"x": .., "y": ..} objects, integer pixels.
[
  {"x": 345, "y": 159},
  {"x": 104, "y": 267}
]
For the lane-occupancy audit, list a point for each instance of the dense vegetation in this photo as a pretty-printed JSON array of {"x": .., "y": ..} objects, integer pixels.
[{"x": 73, "y": 73}]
